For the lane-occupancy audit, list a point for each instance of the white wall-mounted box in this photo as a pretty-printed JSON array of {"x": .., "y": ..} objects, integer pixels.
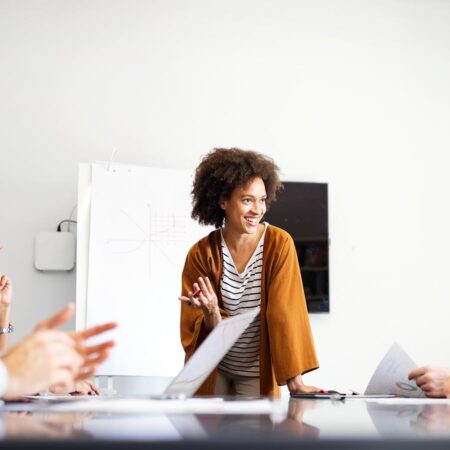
[{"x": 54, "y": 250}]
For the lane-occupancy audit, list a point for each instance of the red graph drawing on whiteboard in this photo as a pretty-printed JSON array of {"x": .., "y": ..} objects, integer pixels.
[{"x": 159, "y": 232}]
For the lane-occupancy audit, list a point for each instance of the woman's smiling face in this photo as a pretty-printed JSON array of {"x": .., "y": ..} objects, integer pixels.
[{"x": 246, "y": 207}]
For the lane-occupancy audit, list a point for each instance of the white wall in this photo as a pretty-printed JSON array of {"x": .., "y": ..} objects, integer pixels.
[{"x": 355, "y": 93}]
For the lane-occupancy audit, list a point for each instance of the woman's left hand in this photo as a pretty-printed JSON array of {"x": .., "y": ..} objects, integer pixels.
[{"x": 295, "y": 384}]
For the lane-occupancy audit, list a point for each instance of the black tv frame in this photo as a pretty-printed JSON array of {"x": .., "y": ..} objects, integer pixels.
[{"x": 302, "y": 210}]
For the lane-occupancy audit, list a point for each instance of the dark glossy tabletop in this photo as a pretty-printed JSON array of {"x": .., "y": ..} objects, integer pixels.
[{"x": 293, "y": 422}]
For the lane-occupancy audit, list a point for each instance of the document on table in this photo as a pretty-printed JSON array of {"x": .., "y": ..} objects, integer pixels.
[{"x": 391, "y": 375}]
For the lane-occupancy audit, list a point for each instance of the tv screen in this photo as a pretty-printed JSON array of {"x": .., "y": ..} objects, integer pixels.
[{"x": 302, "y": 210}]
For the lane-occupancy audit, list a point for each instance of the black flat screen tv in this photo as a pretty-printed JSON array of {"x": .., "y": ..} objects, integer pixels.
[{"x": 302, "y": 210}]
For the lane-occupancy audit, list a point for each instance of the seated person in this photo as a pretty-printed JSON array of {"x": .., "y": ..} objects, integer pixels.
[
  {"x": 50, "y": 359},
  {"x": 432, "y": 380},
  {"x": 80, "y": 386}
]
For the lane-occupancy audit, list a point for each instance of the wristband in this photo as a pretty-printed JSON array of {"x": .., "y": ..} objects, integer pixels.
[{"x": 7, "y": 330}]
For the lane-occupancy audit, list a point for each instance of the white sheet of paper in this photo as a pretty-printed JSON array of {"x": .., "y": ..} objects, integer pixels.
[
  {"x": 210, "y": 353},
  {"x": 391, "y": 375}
]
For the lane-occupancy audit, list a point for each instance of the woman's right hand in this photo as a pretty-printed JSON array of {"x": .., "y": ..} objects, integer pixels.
[{"x": 205, "y": 298}]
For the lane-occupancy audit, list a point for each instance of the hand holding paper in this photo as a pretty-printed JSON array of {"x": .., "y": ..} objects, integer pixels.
[
  {"x": 430, "y": 379},
  {"x": 391, "y": 375}
]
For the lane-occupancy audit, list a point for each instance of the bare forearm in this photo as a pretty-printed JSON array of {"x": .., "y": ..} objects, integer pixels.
[
  {"x": 4, "y": 315},
  {"x": 212, "y": 319},
  {"x": 4, "y": 322}
]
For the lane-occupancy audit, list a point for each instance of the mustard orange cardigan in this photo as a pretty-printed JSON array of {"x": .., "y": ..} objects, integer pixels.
[{"x": 287, "y": 347}]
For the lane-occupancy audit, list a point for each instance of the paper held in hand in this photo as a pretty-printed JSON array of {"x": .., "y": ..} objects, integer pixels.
[
  {"x": 391, "y": 375},
  {"x": 389, "y": 380}
]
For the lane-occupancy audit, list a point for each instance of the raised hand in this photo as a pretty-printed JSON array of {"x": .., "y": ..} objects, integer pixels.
[
  {"x": 5, "y": 290},
  {"x": 43, "y": 359},
  {"x": 92, "y": 355},
  {"x": 95, "y": 354},
  {"x": 204, "y": 298}
]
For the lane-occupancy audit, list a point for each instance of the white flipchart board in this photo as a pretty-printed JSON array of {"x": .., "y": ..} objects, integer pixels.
[{"x": 135, "y": 230}]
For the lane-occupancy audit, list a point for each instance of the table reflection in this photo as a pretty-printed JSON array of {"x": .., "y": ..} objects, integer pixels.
[
  {"x": 24, "y": 425},
  {"x": 411, "y": 419},
  {"x": 433, "y": 419},
  {"x": 294, "y": 424},
  {"x": 296, "y": 419},
  {"x": 290, "y": 424}
]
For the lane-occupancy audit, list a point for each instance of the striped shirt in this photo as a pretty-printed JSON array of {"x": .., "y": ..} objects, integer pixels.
[{"x": 240, "y": 293}]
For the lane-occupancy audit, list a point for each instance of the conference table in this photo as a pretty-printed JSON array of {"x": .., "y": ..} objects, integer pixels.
[{"x": 135, "y": 423}]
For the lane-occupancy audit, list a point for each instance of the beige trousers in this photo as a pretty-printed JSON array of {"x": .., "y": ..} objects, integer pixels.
[{"x": 231, "y": 384}]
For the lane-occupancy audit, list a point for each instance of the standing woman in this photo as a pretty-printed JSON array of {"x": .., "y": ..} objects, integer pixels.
[{"x": 243, "y": 264}]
